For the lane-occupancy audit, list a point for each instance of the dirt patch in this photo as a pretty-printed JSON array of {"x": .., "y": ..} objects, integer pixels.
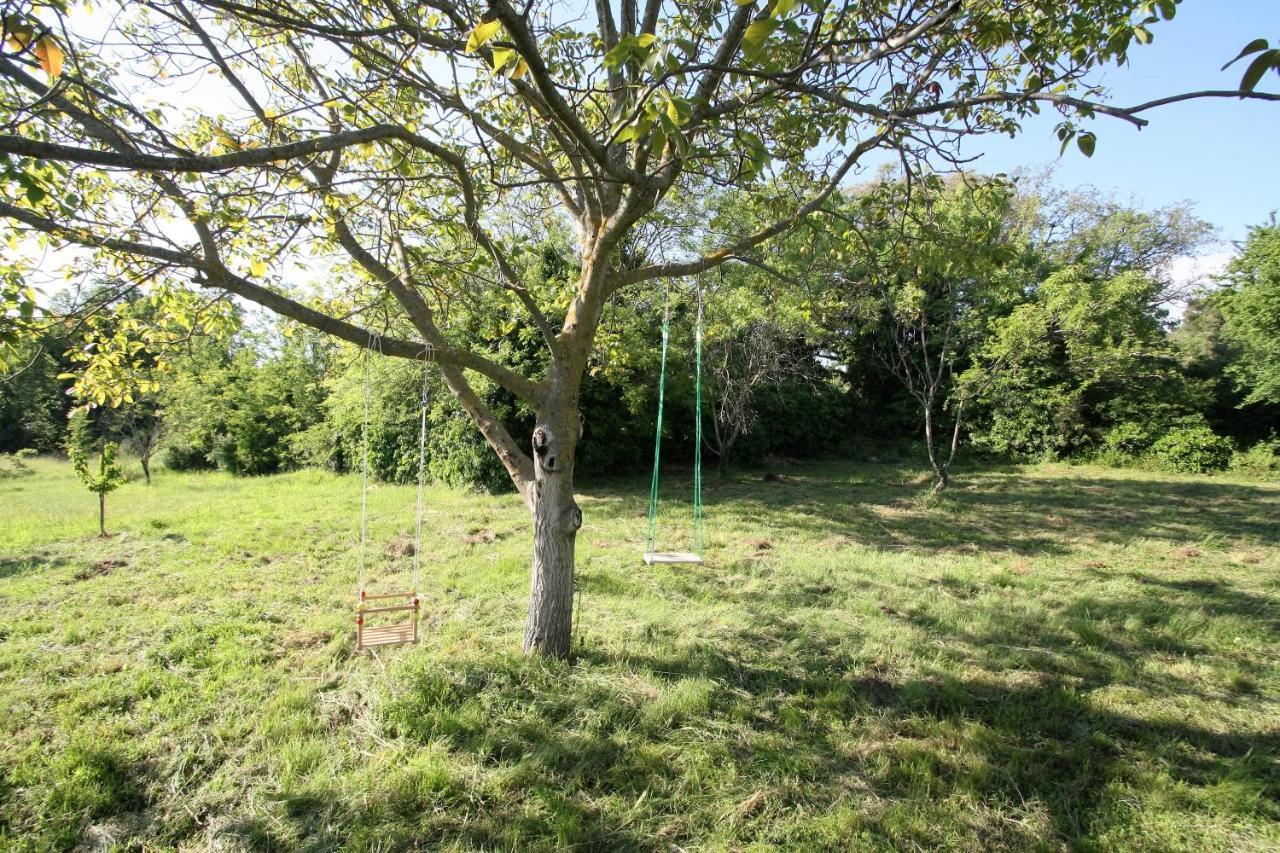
[
  {"x": 307, "y": 639},
  {"x": 402, "y": 546},
  {"x": 1020, "y": 567},
  {"x": 1187, "y": 553},
  {"x": 102, "y": 567},
  {"x": 879, "y": 691},
  {"x": 481, "y": 537},
  {"x": 1095, "y": 564}
]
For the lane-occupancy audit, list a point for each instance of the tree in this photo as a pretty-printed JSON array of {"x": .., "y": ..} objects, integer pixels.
[
  {"x": 412, "y": 155},
  {"x": 1088, "y": 350},
  {"x": 1251, "y": 314},
  {"x": 928, "y": 285},
  {"x": 1085, "y": 354},
  {"x": 738, "y": 366},
  {"x": 143, "y": 426},
  {"x": 108, "y": 477}
]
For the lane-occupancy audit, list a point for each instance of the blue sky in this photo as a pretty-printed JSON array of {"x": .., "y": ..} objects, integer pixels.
[{"x": 1222, "y": 155}]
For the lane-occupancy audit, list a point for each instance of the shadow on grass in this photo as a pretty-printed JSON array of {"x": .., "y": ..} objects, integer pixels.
[
  {"x": 783, "y": 732},
  {"x": 999, "y": 508},
  {"x": 39, "y": 561}
]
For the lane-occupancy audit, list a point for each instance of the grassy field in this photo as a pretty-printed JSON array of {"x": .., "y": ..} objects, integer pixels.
[{"x": 1043, "y": 658}]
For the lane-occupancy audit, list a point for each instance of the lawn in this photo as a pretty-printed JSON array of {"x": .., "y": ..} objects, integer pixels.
[{"x": 1045, "y": 657}]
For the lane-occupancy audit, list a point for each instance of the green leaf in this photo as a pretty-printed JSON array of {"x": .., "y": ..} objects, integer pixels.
[
  {"x": 258, "y": 268},
  {"x": 484, "y": 31},
  {"x": 679, "y": 110},
  {"x": 1087, "y": 142},
  {"x": 1252, "y": 47},
  {"x": 1258, "y": 67},
  {"x": 1142, "y": 34},
  {"x": 1168, "y": 8},
  {"x": 754, "y": 38},
  {"x": 782, "y": 7},
  {"x": 646, "y": 39},
  {"x": 620, "y": 53},
  {"x": 745, "y": 2}
]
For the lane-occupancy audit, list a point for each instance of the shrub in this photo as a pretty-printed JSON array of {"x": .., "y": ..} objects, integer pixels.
[
  {"x": 15, "y": 464},
  {"x": 456, "y": 452},
  {"x": 1262, "y": 460},
  {"x": 186, "y": 457},
  {"x": 1192, "y": 450},
  {"x": 1129, "y": 439}
]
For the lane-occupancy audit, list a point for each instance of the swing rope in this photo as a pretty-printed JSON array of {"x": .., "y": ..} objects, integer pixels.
[
  {"x": 651, "y": 539},
  {"x": 699, "y": 522},
  {"x": 422, "y": 478},
  {"x": 364, "y": 480},
  {"x": 362, "y": 563}
]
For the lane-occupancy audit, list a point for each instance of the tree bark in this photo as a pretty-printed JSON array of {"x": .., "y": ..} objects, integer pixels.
[
  {"x": 146, "y": 468},
  {"x": 556, "y": 519},
  {"x": 939, "y": 470},
  {"x": 102, "y": 513}
]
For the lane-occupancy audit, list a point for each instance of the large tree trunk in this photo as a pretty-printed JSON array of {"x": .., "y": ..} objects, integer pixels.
[{"x": 556, "y": 519}]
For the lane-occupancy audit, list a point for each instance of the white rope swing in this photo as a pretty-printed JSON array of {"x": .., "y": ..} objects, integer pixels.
[{"x": 368, "y": 637}]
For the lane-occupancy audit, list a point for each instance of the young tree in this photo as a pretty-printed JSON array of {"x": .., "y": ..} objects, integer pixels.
[
  {"x": 411, "y": 153},
  {"x": 143, "y": 426},
  {"x": 739, "y": 364},
  {"x": 928, "y": 286},
  {"x": 108, "y": 477}
]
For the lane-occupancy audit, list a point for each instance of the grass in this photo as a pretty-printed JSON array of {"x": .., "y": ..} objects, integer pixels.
[{"x": 1043, "y": 658}]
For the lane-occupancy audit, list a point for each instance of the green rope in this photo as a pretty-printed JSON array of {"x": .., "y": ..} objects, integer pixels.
[
  {"x": 651, "y": 539},
  {"x": 699, "y": 521}
]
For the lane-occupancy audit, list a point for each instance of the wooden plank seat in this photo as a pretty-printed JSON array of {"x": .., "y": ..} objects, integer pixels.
[
  {"x": 370, "y": 636},
  {"x": 670, "y": 557}
]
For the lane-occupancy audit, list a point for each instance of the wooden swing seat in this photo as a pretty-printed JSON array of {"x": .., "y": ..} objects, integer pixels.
[
  {"x": 386, "y": 635},
  {"x": 670, "y": 557}
]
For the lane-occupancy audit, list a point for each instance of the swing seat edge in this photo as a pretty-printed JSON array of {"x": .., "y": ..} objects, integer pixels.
[{"x": 670, "y": 557}]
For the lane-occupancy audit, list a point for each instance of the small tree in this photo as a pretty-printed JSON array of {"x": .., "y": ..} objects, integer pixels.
[
  {"x": 740, "y": 365},
  {"x": 928, "y": 278},
  {"x": 108, "y": 476}
]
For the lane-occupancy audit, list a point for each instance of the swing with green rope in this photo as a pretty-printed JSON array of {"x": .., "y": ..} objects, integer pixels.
[{"x": 651, "y": 553}]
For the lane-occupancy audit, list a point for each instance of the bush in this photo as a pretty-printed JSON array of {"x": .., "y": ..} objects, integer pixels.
[
  {"x": 1192, "y": 450},
  {"x": 1129, "y": 439},
  {"x": 456, "y": 452},
  {"x": 185, "y": 457},
  {"x": 15, "y": 464},
  {"x": 1261, "y": 461}
]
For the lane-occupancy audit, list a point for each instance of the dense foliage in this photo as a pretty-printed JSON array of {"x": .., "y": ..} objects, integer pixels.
[{"x": 1057, "y": 347}]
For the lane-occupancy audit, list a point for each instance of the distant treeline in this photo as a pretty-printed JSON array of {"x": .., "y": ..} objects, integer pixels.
[{"x": 1016, "y": 322}]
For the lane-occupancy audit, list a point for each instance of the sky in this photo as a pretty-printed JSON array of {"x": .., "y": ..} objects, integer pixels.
[{"x": 1223, "y": 155}]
